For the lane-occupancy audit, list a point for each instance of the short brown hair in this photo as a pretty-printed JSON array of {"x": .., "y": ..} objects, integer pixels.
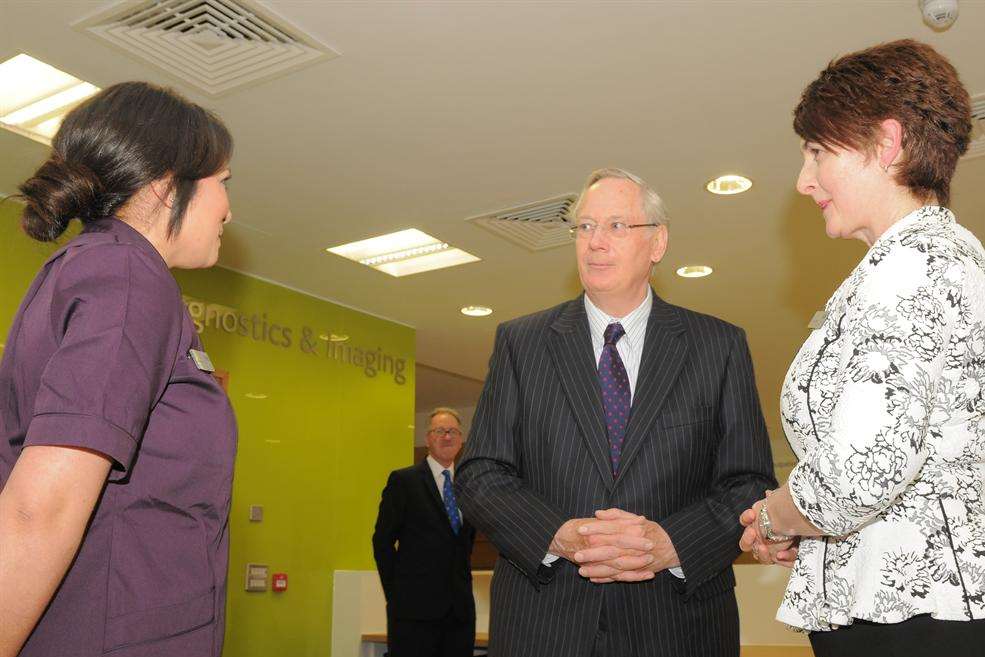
[
  {"x": 446, "y": 411},
  {"x": 904, "y": 80}
]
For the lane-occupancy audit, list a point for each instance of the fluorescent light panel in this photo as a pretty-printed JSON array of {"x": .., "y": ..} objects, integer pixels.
[
  {"x": 404, "y": 253},
  {"x": 35, "y": 97}
]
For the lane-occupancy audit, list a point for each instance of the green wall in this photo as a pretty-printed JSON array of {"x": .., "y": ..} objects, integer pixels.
[{"x": 315, "y": 453}]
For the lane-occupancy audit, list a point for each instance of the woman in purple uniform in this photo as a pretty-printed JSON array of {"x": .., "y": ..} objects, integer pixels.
[{"x": 116, "y": 443}]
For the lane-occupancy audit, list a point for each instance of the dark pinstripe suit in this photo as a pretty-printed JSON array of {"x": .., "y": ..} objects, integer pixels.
[{"x": 696, "y": 454}]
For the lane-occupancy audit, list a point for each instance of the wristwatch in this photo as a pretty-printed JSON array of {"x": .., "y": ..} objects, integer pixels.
[{"x": 766, "y": 527}]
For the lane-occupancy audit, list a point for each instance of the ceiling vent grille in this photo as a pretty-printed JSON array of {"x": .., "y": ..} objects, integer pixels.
[
  {"x": 217, "y": 46},
  {"x": 977, "y": 146},
  {"x": 536, "y": 226}
]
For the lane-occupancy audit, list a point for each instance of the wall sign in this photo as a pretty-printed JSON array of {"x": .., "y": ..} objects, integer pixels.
[{"x": 261, "y": 328}]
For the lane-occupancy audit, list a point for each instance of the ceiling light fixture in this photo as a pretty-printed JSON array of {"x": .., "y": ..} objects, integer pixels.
[
  {"x": 406, "y": 254},
  {"x": 35, "y": 97},
  {"x": 729, "y": 184},
  {"x": 255, "y": 395},
  {"x": 403, "y": 253},
  {"x": 476, "y": 311},
  {"x": 694, "y": 271}
]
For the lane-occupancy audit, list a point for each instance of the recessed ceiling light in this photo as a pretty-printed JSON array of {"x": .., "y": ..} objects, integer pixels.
[
  {"x": 403, "y": 253},
  {"x": 729, "y": 184},
  {"x": 255, "y": 395},
  {"x": 35, "y": 97},
  {"x": 476, "y": 311},
  {"x": 694, "y": 271}
]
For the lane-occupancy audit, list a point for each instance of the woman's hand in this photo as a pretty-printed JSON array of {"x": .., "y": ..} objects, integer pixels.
[{"x": 783, "y": 553}]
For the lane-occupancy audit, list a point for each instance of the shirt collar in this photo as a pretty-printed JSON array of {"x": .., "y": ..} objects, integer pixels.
[
  {"x": 925, "y": 214},
  {"x": 437, "y": 468},
  {"x": 633, "y": 323},
  {"x": 121, "y": 232}
]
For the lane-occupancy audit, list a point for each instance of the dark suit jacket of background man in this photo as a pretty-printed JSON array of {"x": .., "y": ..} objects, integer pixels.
[
  {"x": 429, "y": 573},
  {"x": 695, "y": 455}
]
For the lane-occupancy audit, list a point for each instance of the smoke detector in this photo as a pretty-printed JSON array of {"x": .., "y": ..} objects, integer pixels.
[
  {"x": 217, "y": 46},
  {"x": 939, "y": 14}
]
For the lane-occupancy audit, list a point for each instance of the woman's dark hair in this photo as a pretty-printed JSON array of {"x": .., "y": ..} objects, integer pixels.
[
  {"x": 904, "y": 80},
  {"x": 115, "y": 143}
]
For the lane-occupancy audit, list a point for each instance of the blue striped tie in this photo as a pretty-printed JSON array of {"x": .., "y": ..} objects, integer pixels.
[{"x": 451, "y": 508}]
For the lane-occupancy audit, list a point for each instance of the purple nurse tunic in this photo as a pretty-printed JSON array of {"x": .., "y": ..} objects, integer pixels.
[{"x": 98, "y": 357}]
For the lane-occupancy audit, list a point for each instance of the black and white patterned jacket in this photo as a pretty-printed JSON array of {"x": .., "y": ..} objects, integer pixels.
[{"x": 884, "y": 406}]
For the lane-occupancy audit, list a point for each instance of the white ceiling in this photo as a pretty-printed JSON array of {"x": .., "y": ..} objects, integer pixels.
[{"x": 439, "y": 111}]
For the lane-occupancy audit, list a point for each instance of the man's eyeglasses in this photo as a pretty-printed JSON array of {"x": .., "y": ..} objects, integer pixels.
[
  {"x": 616, "y": 230},
  {"x": 441, "y": 433}
]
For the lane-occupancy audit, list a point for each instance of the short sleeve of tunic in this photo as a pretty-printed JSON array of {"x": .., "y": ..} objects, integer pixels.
[{"x": 115, "y": 316}]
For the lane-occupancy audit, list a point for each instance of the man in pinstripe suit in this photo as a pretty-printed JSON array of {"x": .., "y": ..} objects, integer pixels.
[{"x": 615, "y": 442}]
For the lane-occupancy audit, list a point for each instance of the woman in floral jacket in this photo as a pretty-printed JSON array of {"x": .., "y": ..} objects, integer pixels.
[{"x": 883, "y": 518}]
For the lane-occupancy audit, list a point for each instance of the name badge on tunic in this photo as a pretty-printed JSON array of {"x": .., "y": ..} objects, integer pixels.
[
  {"x": 817, "y": 321},
  {"x": 202, "y": 360}
]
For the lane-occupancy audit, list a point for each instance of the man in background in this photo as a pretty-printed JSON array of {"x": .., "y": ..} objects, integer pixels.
[{"x": 422, "y": 547}]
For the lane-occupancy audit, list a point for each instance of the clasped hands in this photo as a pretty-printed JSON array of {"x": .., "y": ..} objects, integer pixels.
[
  {"x": 783, "y": 553},
  {"x": 615, "y": 546}
]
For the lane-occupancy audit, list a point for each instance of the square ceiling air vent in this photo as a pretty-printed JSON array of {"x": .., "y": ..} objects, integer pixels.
[
  {"x": 536, "y": 226},
  {"x": 217, "y": 46},
  {"x": 977, "y": 146}
]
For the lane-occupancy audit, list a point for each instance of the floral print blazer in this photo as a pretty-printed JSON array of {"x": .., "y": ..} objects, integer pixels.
[{"x": 884, "y": 408}]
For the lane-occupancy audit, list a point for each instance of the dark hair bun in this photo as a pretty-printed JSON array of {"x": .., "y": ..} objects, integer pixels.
[
  {"x": 114, "y": 144},
  {"x": 58, "y": 192}
]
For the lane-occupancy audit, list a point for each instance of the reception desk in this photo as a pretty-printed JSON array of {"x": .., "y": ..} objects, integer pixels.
[{"x": 359, "y": 613}]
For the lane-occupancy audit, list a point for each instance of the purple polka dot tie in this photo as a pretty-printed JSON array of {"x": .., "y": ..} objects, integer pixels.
[{"x": 615, "y": 392}]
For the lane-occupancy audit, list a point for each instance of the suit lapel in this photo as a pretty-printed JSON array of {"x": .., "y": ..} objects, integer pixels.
[
  {"x": 571, "y": 348},
  {"x": 664, "y": 350}
]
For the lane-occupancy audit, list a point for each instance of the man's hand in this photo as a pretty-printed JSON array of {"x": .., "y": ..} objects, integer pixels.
[
  {"x": 585, "y": 540},
  {"x": 601, "y": 564},
  {"x": 615, "y": 541}
]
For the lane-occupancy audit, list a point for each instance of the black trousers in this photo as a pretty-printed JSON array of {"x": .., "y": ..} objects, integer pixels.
[
  {"x": 920, "y": 636},
  {"x": 447, "y": 637}
]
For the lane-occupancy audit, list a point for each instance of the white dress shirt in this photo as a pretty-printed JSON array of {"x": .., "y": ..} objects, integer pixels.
[{"x": 629, "y": 347}]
